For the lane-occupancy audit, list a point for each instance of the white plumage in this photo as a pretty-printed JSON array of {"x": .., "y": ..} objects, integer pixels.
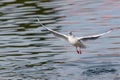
[{"x": 73, "y": 40}]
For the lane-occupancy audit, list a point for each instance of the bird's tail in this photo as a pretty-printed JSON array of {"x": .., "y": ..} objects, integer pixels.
[{"x": 82, "y": 45}]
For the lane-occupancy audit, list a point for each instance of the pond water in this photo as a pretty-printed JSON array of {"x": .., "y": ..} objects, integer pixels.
[{"x": 29, "y": 52}]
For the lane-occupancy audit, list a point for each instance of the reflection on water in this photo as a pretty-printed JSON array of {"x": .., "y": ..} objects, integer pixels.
[{"x": 28, "y": 51}]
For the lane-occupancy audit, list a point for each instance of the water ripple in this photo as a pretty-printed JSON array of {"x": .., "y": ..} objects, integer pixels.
[{"x": 28, "y": 51}]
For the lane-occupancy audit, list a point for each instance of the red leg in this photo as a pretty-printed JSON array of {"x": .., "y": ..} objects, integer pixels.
[
  {"x": 80, "y": 51},
  {"x": 77, "y": 50}
]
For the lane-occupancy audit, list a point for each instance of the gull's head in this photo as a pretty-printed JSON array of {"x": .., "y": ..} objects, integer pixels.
[{"x": 70, "y": 32}]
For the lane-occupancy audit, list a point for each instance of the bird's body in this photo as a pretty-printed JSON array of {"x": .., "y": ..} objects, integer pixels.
[{"x": 73, "y": 40}]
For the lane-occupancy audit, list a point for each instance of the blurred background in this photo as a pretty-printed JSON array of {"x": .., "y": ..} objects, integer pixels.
[{"x": 29, "y": 52}]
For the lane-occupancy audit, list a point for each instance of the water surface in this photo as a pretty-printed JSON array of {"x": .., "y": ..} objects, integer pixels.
[{"x": 29, "y": 52}]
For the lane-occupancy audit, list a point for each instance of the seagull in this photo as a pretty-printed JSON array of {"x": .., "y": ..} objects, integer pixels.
[{"x": 73, "y": 40}]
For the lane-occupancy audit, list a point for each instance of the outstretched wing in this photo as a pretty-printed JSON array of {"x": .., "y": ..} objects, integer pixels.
[
  {"x": 57, "y": 34},
  {"x": 93, "y": 37}
]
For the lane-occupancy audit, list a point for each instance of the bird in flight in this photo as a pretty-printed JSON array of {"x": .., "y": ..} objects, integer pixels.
[{"x": 73, "y": 40}]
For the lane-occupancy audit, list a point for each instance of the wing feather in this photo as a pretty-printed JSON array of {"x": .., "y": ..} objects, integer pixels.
[
  {"x": 93, "y": 37},
  {"x": 57, "y": 34}
]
